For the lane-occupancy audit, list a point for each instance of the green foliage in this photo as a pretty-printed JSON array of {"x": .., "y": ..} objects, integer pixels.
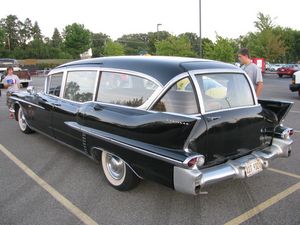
[
  {"x": 77, "y": 39},
  {"x": 113, "y": 49},
  {"x": 24, "y": 39},
  {"x": 57, "y": 40},
  {"x": 174, "y": 46},
  {"x": 134, "y": 44},
  {"x": 98, "y": 43},
  {"x": 223, "y": 50}
]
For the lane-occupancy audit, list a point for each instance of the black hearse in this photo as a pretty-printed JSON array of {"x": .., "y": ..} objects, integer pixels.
[{"x": 182, "y": 122}]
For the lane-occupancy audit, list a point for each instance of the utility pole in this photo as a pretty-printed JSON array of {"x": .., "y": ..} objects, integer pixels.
[
  {"x": 200, "y": 31},
  {"x": 157, "y": 27}
]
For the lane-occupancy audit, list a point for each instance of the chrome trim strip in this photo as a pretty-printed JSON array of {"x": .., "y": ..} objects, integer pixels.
[
  {"x": 95, "y": 133},
  {"x": 230, "y": 109},
  {"x": 29, "y": 103},
  {"x": 192, "y": 133},
  {"x": 199, "y": 94},
  {"x": 107, "y": 69}
]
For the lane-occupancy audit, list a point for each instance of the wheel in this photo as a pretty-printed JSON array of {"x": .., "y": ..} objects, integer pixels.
[
  {"x": 117, "y": 173},
  {"x": 298, "y": 92},
  {"x": 25, "y": 85},
  {"x": 280, "y": 75},
  {"x": 22, "y": 122}
]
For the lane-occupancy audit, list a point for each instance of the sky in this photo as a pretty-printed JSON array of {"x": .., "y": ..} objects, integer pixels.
[{"x": 228, "y": 18}]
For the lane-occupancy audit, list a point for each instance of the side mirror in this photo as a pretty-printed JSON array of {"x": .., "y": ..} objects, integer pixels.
[{"x": 31, "y": 90}]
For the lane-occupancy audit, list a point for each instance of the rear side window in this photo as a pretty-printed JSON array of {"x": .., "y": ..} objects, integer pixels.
[
  {"x": 80, "y": 85},
  {"x": 124, "y": 89},
  {"x": 223, "y": 91},
  {"x": 180, "y": 98},
  {"x": 54, "y": 86}
]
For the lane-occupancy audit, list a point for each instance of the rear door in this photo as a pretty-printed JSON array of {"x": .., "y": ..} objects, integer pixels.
[{"x": 234, "y": 119}]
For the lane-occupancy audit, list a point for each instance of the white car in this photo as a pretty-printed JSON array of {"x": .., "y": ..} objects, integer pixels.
[
  {"x": 295, "y": 85},
  {"x": 275, "y": 67}
]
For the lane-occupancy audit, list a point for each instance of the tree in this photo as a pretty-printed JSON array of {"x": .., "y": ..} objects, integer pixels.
[
  {"x": 98, "y": 43},
  {"x": 174, "y": 46},
  {"x": 10, "y": 27},
  {"x": 223, "y": 50},
  {"x": 36, "y": 31},
  {"x": 25, "y": 32},
  {"x": 263, "y": 22},
  {"x": 194, "y": 40},
  {"x": 153, "y": 37},
  {"x": 113, "y": 49},
  {"x": 135, "y": 44},
  {"x": 77, "y": 39},
  {"x": 56, "y": 40},
  {"x": 2, "y": 38}
]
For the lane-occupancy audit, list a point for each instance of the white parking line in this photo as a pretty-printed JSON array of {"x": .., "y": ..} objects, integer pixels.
[
  {"x": 292, "y": 111},
  {"x": 55, "y": 194},
  {"x": 264, "y": 205}
]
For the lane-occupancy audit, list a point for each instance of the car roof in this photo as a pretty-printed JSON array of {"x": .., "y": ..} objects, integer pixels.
[{"x": 162, "y": 68}]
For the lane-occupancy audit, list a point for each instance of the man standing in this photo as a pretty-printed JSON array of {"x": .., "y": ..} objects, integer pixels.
[
  {"x": 12, "y": 83},
  {"x": 251, "y": 69}
]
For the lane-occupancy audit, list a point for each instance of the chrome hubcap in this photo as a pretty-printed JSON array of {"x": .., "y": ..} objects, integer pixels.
[
  {"x": 115, "y": 166},
  {"x": 22, "y": 120}
]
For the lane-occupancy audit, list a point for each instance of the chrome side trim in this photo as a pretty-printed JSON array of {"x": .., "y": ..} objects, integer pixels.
[
  {"x": 29, "y": 103},
  {"x": 191, "y": 181},
  {"x": 192, "y": 133},
  {"x": 230, "y": 109},
  {"x": 95, "y": 133}
]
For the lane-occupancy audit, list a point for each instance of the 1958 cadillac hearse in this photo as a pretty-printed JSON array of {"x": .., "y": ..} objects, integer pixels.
[{"x": 183, "y": 122}]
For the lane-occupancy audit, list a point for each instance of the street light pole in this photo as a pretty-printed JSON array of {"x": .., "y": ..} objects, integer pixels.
[
  {"x": 200, "y": 32},
  {"x": 157, "y": 27}
]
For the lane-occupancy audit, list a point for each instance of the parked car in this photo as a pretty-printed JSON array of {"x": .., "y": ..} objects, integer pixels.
[
  {"x": 183, "y": 122},
  {"x": 274, "y": 67},
  {"x": 288, "y": 69},
  {"x": 295, "y": 85},
  {"x": 23, "y": 75}
]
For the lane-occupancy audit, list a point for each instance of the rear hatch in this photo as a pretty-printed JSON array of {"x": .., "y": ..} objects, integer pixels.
[{"x": 235, "y": 120}]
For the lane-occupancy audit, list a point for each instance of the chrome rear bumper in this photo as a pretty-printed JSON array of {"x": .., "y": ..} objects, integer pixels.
[{"x": 191, "y": 181}]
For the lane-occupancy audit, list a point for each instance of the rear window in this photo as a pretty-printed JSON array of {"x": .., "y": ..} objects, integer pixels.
[{"x": 224, "y": 91}]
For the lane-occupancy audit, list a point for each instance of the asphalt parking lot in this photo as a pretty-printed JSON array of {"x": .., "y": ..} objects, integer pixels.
[{"x": 43, "y": 182}]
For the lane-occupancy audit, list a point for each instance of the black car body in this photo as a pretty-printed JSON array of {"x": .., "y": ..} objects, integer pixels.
[{"x": 182, "y": 122}]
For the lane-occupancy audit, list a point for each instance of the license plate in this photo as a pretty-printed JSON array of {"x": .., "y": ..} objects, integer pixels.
[{"x": 252, "y": 167}]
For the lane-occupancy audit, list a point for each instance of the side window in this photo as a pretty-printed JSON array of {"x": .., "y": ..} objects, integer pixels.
[
  {"x": 223, "y": 91},
  {"x": 54, "y": 86},
  {"x": 180, "y": 98},
  {"x": 124, "y": 89},
  {"x": 80, "y": 85}
]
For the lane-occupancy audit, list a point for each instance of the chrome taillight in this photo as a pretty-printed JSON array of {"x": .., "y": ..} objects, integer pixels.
[{"x": 194, "y": 161}]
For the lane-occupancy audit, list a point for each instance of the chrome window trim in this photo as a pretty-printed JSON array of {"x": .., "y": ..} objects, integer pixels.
[
  {"x": 193, "y": 74},
  {"x": 230, "y": 109},
  {"x": 166, "y": 88},
  {"x": 48, "y": 81},
  {"x": 146, "y": 104},
  {"x": 66, "y": 72},
  {"x": 99, "y": 70}
]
